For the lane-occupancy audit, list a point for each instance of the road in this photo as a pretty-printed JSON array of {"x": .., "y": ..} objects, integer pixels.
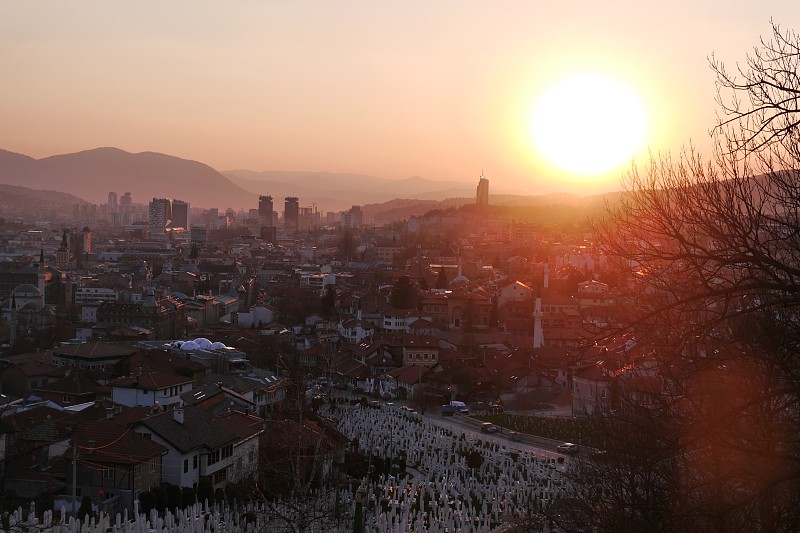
[{"x": 545, "y": 448}]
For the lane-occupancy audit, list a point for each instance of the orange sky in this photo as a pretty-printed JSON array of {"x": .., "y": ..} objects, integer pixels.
[{"x": 438, "y": 89}]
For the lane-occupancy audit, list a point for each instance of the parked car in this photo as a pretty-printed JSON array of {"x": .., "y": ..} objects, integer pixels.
[
  {"x": 448, "y": 410},
  {"x": 488, "y": 427},
  {"x": 568, "y": 447}
]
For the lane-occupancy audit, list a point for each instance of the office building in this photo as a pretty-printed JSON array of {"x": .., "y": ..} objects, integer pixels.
[
  {"x": 180, "y": 215},
  {"x": 160, "y": 214},
  {"x": 291, "y": 214}
]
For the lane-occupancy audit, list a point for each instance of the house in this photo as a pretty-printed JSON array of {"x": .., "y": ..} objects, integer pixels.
[
  {"x": 407, "y": 382},
  {"x": 402, "y": 319},
  {"x": 19, "y": 378},
  {"x": 420, "y": 350},
  {"x": 217, "y": 399},
  {"x": 269, "y": 393},
  {"x": 150, "y": 389},
  {"x": 248, "y": 428},
  {"x": 37, "y": 436},
  {"x": 91, "y": 355},
  {"x": 73, "y": 389},
  {"x": 515, "y": 292},
  {"x": 591, "y": 389},
  {"x": 355, "y": 330},
  {"x": 458, "y": 309},
  {"x": 113, "y": 464},
  {"x": 197, "y": 445}
]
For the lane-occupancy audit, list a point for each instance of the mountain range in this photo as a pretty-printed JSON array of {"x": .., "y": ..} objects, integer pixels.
[{"x": 92, "y": 174}]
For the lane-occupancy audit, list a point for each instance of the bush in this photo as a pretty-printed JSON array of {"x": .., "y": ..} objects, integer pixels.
[
  {"x": 219, "y": 496},
  {"x": 85, "y": 508},
  {"x": 161, "y": 499},
  {"x": 188, "y": 496},
  {"x": 45, "y": 502},
  {"x": 147, "y": 502},
  {"x": 174, "y": 496},
  {"x": 205, "y": 491}
]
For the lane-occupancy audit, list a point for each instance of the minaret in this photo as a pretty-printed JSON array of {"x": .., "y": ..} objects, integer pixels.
[
  {"x": 538, "y": 334},
  {"x": 13, "y": 322},
  {"x": 41, "y": 276}
]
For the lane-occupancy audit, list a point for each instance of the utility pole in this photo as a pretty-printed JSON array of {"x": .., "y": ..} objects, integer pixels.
[{"x": 74, "y": 474}]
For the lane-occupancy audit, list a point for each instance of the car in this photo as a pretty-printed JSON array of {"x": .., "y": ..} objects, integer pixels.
[
  {"x": 488, "y": 427},
  {"x": 568, "y": 447}
]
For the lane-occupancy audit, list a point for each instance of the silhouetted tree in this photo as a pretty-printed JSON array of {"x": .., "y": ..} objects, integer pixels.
[
  {"x": 441, "y": 280},
  {"x": 712, "y": 250},
  {"x": 404, "y": 294},
  {"x": 328, "y": 303},
  {"x": 85, "y": 509}
]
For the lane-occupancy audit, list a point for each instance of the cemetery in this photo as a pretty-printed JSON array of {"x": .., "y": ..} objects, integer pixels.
[{"x": 438, "y": 480}]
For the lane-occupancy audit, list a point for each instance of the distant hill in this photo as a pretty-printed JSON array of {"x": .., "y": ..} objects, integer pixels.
[
  {"x": 24, "y": 202},
  {"x": 340, "y": 191},
  {"x": 92, "y": 174}
]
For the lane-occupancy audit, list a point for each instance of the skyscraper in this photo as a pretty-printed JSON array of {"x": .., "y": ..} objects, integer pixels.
[
  {"x": 180, "y": 214},
  {"x": 291, "y": 214},
  {"x": 160, "y": 213},
  {"x": 125, "y": 209},
  {"x": 482, "y": 196},
  {"x": 112, "y": 210},
  {"x": 353, "y": 218},
  {"x": 265, "y": 211}
]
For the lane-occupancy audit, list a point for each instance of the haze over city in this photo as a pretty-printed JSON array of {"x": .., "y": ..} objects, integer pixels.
[
  {"x": 441, "y": 90},
  {"x": 366, "y": 267}
]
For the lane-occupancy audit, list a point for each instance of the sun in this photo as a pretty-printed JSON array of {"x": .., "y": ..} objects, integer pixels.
[{"x": 588, "y": 124}]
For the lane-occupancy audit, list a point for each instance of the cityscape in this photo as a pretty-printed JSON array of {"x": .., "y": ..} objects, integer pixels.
[{"x": 595, "y": 336}]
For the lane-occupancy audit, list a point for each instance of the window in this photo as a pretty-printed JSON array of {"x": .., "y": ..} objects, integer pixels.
[
  {"x": 603, "y": 393},
  {"x": 194, "y": 462},
  {"x": 152, "y": 465},
  {"x": 108, "y": 473},
  {"x": 67, "y": 398},
  {"x": 185, "y": 466}
]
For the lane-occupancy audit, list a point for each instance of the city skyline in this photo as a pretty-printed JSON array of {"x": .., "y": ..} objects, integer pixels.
[{"x": 391, "y": 91}]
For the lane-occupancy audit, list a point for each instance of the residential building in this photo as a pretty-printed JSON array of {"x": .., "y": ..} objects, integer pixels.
[
  {"x": 114, "y": 464},
  {"x": 198, "y": 446},
  {"x": 150, "y": 389}
]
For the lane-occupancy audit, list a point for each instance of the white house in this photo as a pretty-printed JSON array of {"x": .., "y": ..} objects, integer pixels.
[
  {"x": 515, "y": 292},
  {"x": 198, "y": 446},
  {"x": 150, "y": 389}
]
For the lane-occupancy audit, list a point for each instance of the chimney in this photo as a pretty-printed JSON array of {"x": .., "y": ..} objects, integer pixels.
[{"x": 177, "y": 414}]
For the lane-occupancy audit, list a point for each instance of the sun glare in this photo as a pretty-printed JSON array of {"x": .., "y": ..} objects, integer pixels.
[{"x": 588, "y": 124}]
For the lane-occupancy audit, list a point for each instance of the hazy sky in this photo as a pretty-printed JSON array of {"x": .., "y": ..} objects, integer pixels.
[{"x": 440, "y": 89}]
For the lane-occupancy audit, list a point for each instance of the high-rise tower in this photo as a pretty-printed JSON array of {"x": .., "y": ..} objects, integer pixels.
[
  {"x": 265, "y": 211},
  {"x": 160, "y": 213},
  {"x": 180, "y": 215},
  {"x": 291, "y": 214},
  {"x": 482, "y": 196}
]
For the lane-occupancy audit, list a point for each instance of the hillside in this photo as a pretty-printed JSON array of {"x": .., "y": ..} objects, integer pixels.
[
  {"x": 92, "y": 174},
  {"x": 27, "y": 203}
]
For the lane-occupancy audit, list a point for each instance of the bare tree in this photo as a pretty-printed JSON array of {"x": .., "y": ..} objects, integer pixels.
[{"x": 712, "y": 249}]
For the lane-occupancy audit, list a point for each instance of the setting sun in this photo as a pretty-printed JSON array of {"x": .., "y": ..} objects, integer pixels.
[{"x": 588, "y": 124}]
